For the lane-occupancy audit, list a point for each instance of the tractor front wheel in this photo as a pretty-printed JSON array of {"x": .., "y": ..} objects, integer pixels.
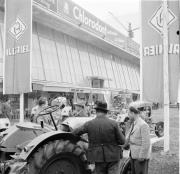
[{"x": 159, "y": 129}]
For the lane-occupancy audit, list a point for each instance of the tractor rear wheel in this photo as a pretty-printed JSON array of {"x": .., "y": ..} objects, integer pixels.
[{"x": 58, "y": 157}]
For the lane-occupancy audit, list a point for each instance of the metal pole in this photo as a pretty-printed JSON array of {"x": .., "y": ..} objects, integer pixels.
[
  {"x": 141, "y": 55},
  {"x": 166, "y": 76},
  {"x": 21, "y": 108},
  {"x": 179, "y": 76}
]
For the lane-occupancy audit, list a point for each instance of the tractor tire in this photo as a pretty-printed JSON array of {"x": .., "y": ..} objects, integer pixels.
[
  {"x": 125, "y": 166},
  {"x": 59, "y": 156},
  {"x": 159, "y": 129}
]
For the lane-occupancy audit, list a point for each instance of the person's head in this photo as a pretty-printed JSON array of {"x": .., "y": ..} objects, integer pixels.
[
  {"x": 133, "y": 113},
  {"x": 42, "y": 101},
  {"x": 101, "y": 108}
]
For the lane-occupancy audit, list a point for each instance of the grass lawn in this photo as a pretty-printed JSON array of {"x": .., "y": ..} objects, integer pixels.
[{"x": 166, "y": 163}]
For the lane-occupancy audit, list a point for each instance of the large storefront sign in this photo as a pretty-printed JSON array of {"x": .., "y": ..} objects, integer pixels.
[
  {"x": 152, "y": 53},
  {"x": 77, "y": 15},
  {"x": 74, "y": 12},
  {"x": 17, "y": 52}
]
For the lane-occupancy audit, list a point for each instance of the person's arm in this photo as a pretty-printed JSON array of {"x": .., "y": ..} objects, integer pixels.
[
  {"x": 145, "y": 134},
  {"x": 119, "y": 135},
  {"x": 81, "y": 130}
]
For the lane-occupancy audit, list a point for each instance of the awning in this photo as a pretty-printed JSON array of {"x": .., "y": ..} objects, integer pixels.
[{"x": 60, "y": 87}]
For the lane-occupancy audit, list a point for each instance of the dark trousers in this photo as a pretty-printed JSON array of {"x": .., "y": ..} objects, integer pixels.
[
  {"x": 138, "y": 167},
  {"x": 107, "y": 167}
]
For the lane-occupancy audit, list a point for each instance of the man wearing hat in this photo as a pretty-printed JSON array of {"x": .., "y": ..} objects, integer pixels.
[{"x": 104, "y": 140}]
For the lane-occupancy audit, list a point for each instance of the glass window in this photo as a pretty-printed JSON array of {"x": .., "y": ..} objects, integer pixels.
[
  {"x": 121, "y": 73},
  {"x": 102, "y": 66},
  {"x": 37, "y": 65},
  {"x": 116, "y": 73},
  {"x": 107, "y": 59},
  {"x": 76, "y": 60},
  {"x": 70, "y": 57},
  {"x": 49, "y": 53},
  {"x": 84, "y": 57},
  {"x": 126, "y": 74},
  {"x": 135, "y": 80},
  {"x": 63, "y": 58},
  {"x": 130, "y": 75},
  {"x": 137, "y": 73},
  {"x": 98, "y": 60},
  {"x": 92, "y": 56}
]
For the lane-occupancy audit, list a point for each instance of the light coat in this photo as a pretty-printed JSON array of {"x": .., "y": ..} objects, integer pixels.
[{"x": 139, "y": 140}]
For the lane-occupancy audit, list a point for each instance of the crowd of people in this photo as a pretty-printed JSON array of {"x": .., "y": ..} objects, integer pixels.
[{"x": 65, "y": 110}]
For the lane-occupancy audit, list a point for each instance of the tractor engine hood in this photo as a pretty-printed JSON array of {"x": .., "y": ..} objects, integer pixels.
[
  {"x": 18, "y": 135},
  {"x": 76, "y": 122}
]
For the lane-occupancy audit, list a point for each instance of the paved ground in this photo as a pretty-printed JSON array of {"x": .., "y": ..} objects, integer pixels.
[{"x": 166, "y": 163}]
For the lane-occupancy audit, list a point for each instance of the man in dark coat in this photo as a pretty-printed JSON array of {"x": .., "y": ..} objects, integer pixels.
[{"x": 104, "y": 140}]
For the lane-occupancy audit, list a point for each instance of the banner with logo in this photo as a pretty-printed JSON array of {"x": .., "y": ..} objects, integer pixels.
[
  {"x": 152, "y": 50},
  {"x": 17, "y": 51}
]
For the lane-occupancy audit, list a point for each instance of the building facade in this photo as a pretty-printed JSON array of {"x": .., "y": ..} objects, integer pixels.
[{"x": 74, "y": 51}]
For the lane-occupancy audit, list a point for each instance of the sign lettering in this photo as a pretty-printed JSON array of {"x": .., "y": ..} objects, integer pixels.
[{"x": 155, "y": 50}]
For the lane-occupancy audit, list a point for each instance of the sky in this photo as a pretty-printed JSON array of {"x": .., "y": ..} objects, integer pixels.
[{"x": 125, "y": 10}]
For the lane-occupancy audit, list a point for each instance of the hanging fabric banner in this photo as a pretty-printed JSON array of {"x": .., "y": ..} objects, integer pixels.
[
  {"x": 152, "y": 50},
  {"x": 17, "y": 51}
]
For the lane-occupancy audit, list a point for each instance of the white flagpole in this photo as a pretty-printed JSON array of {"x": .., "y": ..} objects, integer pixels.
[
  {"x": 166, "y": 76},
  {"x": 21, "y": 108},
  {"x": 141, "y": 54},
  {"x": 178, "y": 100}
]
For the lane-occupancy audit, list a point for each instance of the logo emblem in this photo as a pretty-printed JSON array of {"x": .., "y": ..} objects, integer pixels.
[
  {"x": 156, "y": 20},
  {"x": 17, "y": 29}
]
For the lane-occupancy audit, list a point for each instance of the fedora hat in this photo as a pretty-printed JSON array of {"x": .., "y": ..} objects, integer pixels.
[{"x": 101, "y": 106}]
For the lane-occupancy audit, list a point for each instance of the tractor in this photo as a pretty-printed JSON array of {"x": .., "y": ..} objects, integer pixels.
[
  {"x": 31, "y": 148},
  {"x": 145, "y": 109}
]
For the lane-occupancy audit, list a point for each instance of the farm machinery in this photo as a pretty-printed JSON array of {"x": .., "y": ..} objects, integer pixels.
[{"x": 30, "y": 148}]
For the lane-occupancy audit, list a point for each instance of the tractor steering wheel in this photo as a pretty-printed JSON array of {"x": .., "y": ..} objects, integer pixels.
[{"x": 48, "y": 111}]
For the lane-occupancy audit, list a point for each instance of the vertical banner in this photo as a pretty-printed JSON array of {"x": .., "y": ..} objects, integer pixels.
[
  {"x": 152, "y": 50},
  {"x": 17, "y": 50}
]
